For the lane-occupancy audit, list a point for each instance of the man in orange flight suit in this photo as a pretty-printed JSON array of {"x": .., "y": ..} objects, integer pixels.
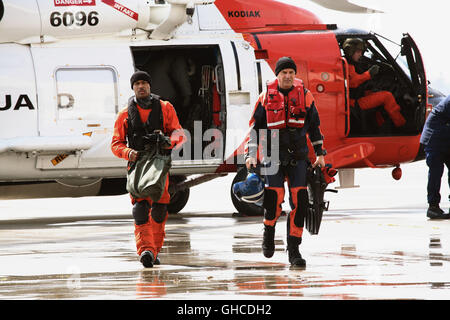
[
  {"x": 146, "y": 113},
  {"x": 354, "y": 49}
]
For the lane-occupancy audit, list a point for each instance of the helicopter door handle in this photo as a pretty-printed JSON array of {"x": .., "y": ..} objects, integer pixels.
[{"x": 219, "y": 82}]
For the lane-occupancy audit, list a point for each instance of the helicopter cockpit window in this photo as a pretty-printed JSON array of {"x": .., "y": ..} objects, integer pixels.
[
  {"x": 394, "y": 49},
  {"x": 372, "y": 52},
  {"x": 86, "y": 93},
  {"x": 384, "y": 104}
]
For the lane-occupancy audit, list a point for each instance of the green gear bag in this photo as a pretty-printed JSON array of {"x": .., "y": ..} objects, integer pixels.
[{"x": 148, "y": 175}]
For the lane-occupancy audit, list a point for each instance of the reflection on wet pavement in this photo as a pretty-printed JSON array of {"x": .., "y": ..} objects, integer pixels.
[{"x": 218, "y": 256}]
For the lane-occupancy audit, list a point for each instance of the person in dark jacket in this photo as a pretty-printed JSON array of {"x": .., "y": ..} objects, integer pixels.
[
  {"x": 436, "y": 140},
  {"x": 286, "y": 112}
]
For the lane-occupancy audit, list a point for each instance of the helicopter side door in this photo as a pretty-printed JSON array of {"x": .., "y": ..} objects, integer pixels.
[
  {"x": 418, "y": 78},
  {"x": 80, "y": 94},
  {"x": 241, "y": 87}
]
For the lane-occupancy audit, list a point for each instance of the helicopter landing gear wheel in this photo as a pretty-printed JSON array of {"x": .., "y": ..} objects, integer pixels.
[{"x": 179, "y": 199}]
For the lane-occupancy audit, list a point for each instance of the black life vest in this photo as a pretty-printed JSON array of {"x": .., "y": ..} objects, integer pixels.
[{"x": 137, "y": 129}]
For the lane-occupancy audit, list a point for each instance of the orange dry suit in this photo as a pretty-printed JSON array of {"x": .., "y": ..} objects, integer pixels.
[
  {"x": 371, "y": 99},
  {"x": 150, "y": 217},
  {"x": 291, "y": 116}
]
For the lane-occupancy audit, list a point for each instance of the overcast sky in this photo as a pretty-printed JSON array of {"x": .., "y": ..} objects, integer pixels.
[{"x": 426, "y": 21}]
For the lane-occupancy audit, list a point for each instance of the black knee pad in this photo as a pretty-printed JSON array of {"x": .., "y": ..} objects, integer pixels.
[
  {"x": 159, "y": 211},
  {"x": 140, "y": 212},
  {"x": 302, "y": 207},
  {"x": 270, "y": 204}
]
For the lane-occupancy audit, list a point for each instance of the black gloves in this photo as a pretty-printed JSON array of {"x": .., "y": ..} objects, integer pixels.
[
  {"x": 373, "y": 70},
  {"x": 151, "y": 138},
  {"x": 156, "y": 138}
]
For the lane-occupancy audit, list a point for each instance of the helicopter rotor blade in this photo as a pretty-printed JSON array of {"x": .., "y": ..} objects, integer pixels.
[{"x": 345, "y": 6}]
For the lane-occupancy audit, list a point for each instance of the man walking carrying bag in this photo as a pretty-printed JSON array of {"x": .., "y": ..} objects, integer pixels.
[{"x": 141, "y": 136}]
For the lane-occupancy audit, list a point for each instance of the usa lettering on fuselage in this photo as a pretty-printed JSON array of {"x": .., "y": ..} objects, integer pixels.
[{"x": 22, "y": 101}]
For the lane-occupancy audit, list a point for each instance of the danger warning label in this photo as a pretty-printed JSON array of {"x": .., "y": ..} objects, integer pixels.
[{"x": 64, "y": 3}]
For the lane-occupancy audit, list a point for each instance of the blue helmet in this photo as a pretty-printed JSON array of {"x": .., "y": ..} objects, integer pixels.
[{"x": 250, "y": 190}]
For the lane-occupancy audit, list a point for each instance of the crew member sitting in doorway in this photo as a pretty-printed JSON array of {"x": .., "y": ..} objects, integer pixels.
[{"x": 368, "y": 99}]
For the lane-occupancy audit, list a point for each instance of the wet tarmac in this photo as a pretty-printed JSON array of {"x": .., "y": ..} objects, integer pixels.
[{"x": 359, "y": 254}]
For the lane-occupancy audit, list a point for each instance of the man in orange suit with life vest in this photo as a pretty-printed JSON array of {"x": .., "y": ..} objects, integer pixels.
[
  {"x": 366, "y": 99},
  {"x": 286, "y": 112},
  {"x": 146, "y": 113}
]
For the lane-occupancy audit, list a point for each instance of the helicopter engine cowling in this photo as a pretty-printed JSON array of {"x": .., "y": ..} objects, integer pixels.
[{"x": 38, "y": 21}]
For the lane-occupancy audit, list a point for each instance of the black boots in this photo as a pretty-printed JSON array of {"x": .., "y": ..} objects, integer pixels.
[
  {"x": 435, "y": 212},
  {"x": 147, "y": 259},
  {"x": 268, "y": 245},
  {"x": 295, "y": 258}
]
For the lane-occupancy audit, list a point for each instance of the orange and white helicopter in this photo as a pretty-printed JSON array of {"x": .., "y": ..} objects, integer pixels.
[{"x": 65, "y": 68}]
